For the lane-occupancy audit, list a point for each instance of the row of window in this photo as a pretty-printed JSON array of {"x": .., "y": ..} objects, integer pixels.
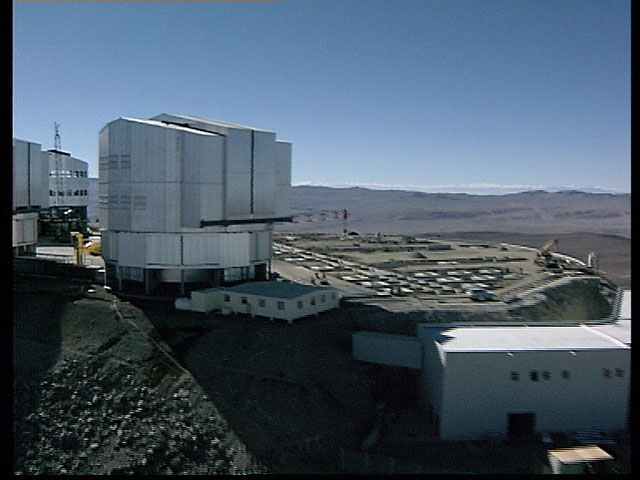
[
  {"x": 75, "y": 193},
  {"x": 67, "y": 173},
  {"x": 535, "y": 376},
  {"x": 281, "y": 305}
]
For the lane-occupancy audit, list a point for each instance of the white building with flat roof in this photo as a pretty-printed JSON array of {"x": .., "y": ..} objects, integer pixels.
[
  {"x": 189, "y": 200},
  {"x": 283, "y": 300},
  {"x": 515, "y": 379},
  {"x": 524, "y": 379},
  {"x": 68, "y": 181}
]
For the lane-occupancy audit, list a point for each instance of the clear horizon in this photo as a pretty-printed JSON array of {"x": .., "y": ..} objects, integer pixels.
[{"x": 466, "y": 96}]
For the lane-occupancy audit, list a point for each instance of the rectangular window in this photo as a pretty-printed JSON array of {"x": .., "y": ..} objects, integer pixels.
[
  {"x": 125, "y": 161},
  {"x": 515, "y": 376},
  {"x": 75, "y": 193},
  {"x": 113, "y": 161},
  {"x": 323, "y": 298},
  {"x": 606, "y": 372},
  {"x": 619, "y": 372},
  {"x": 227, "y": 298},
  {"x": 313, "y": 300},
  {"x": 299, "y": 303},
  {"x": 244, "y": 300},
  {"x": 533, "y": 375},
  {"x": 565, "y": 374},
  {"x": 546, "y": 375},
  {"x": 262, "y": 303},
  {"x": 52, "y": 193},
  {"x": 280, "y": 305}
]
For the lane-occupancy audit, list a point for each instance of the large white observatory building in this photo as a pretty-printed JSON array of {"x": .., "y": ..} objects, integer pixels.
[{"x": 189, "y": 201}]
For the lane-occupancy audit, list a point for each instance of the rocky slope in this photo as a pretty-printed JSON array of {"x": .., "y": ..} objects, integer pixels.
[{"x": 113, "y": 400}]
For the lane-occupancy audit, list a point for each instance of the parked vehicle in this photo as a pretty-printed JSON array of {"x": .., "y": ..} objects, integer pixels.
[{"x": 480, "y": 294}]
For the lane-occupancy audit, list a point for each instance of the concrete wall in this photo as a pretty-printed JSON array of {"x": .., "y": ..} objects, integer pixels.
[
  {"x": 478, "y": 391},
  {"x": 388, "y": 349}
]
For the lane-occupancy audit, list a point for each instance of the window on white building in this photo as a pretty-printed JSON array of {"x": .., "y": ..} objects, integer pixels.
[
  {"x": 244, "y": 300},
  {"x": 565, "y": 374},
  {"x": 619, "y": 372},
  {"x": 262, "y": 302},
  {"x": 515, "y": 376},
  {"x": 606, "y": 372},
  {"x": 280, "y": 305},
  {"x": 313, "y": 300},
  {"x": 533, "y": 375},
  {"x": 227, "y": 298},
  {"x": 299, "y": 303},
  {"x": 546, "y": 375}
]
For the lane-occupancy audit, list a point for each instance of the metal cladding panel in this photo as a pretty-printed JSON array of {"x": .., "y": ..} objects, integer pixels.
[
  {"x": 30, "y": 175},
  {"x": 149, "y": 153},
  {"x": 264, "y": 245},
  {"x": 211, "y": 201},
  {"x": 190, "y": 205},
  {"x": 283, "y": 200},
  {"x": 120, "y": 206},
  {"x": 260, "y": 246},
  {"x": 264, "y": 194},
  {"x": 109, "y": 242},
  {"x": 238, "y": 151},
  {"x": 40, "y": 179},
  {"x": 20, "y": 177},
  {"x": 264, "y": 153},
  {"x": 103, "y": 204},
  {"x": 283, "y": 163},
  {"x": 147, "y": 213},
  {"x": 219, "y": 250},
  {"x": 103, "y": 154},
  {"x": 238, "y": 194},
  {"x": 131, "y": 249},
  {"x": 202, "y": 158},
  {"x": 163, "y": 249}
]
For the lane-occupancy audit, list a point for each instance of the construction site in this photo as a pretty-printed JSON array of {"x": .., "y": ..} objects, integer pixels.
[{"x": 161, "y": 345}]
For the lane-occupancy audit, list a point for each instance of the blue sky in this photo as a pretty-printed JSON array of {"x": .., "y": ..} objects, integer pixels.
[{"x": 479, "y": 96}]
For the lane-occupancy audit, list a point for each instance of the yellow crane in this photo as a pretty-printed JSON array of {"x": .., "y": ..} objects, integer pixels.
[
  {"x": 93, "y": 248},
  {"x": 544, "y": 256}
]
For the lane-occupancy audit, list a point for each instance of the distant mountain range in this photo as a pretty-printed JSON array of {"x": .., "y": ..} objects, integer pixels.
[
  {"x": 405, "y": 212},
  {"x": 410, "y": 212}
]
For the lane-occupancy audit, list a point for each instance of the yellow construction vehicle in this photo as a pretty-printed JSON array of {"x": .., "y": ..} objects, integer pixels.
[
  {"x": 92, "y": 248},
  {"x": 544, "y": 256}
]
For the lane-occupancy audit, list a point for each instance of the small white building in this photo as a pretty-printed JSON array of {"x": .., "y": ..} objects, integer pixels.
[
  {"x": 518, "y": 380},
  {"x": 578, "y": 460},
  {"x": 283, "y": 300}
]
